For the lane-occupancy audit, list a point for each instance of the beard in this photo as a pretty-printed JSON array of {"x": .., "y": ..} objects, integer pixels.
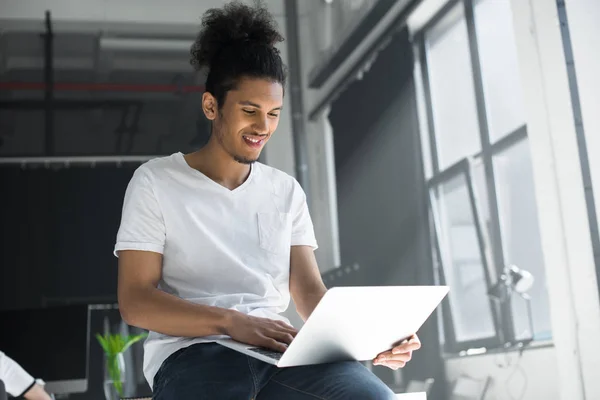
[
  {"x": 243, "y": 160},
  {"x": 222, "y": 141}
]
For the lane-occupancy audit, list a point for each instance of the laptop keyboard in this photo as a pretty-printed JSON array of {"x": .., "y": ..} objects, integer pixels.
[{"x": 276, "y": 355}]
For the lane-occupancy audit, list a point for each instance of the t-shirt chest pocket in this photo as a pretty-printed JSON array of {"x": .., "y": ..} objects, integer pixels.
[{"x": 275, "y": 231}]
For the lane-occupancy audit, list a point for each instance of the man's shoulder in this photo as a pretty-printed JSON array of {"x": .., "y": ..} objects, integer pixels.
[
  {"x": 276, "y": 176},
  {"x": 157, "y": 167}
]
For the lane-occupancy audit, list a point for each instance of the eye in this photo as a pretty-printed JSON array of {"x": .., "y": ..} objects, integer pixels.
[
  {"x": 248, "y": 112},
  {"x": 274, "y": 115}
]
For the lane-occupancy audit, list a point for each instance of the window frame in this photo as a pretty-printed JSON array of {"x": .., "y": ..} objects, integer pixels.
[{"x": 491, "y": 245}]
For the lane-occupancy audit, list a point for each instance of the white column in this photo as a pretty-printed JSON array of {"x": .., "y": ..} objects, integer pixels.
[
  {"x": 323, "y": 203},
  {"x": 565, "y": 232},
  {"x": 583, "y": 16}
]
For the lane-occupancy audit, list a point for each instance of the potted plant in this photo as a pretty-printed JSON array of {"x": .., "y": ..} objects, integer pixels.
[{"x": 114, "y": 345}]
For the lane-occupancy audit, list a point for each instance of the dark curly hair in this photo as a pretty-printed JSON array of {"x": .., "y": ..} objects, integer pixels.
[{"x": 237, "y": 41}]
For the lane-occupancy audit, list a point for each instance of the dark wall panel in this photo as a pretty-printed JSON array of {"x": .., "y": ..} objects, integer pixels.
[
  {"x": 57, "y": 234},
  {"x": 382, "y": 209}
]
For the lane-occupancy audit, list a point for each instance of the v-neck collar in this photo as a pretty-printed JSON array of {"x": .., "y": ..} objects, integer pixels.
[{"x": 220, "y": 187}]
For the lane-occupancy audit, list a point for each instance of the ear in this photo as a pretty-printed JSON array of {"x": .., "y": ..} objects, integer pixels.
[{"x": 209, "y": 106}]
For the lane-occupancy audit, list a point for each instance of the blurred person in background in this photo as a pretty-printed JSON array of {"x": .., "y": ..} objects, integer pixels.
[
  {"x": 17, "y": 382},
  {"x": 212, "y": 244}
]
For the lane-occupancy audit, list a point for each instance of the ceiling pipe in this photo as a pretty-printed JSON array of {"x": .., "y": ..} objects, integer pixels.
[{"x": 102, "y": 87}]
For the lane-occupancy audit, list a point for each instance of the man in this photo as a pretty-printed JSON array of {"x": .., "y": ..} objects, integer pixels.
[
  {"x": 17, "y": 382},
  {"x": 212, "y": 243}
]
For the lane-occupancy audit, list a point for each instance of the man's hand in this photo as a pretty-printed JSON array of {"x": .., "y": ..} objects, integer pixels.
[
  {"x": 261, "y": 332},
  {"x": 399, "y": 355}
]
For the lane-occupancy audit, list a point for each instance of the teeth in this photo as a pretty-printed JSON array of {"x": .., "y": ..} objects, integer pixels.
[{"x": 252, "y": 140}]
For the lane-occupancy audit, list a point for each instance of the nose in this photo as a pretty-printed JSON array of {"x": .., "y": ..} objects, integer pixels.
[{"x": 261, "y": 125}]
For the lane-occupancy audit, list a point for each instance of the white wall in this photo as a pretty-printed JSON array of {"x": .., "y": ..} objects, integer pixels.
[
  {"x": 583, "y": 17},
  {"x": 512, "y": 376},
  {"x": 566, "y": 243}
]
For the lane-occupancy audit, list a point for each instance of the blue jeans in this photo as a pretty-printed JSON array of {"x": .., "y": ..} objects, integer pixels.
[{"x": 211, "y": 371}]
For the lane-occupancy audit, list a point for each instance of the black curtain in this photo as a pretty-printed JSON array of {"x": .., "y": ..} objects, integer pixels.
[{"x": 58, "y": 229}]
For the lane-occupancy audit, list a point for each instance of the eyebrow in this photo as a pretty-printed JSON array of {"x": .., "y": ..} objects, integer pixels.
[{"x": 251, "y": 104}]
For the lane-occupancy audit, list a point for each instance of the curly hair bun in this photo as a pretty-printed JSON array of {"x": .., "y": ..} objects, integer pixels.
[{"x": 236, "y": 24}]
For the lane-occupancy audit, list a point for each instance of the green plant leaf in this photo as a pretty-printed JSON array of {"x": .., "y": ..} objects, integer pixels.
[
  {"x": 131, "y": 339},
  {"x": 113, "y": 344},
  {"x": 103, "y": 342}
]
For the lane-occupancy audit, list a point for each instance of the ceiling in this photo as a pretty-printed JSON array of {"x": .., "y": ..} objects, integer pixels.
[{"x": 133, "y": 42}]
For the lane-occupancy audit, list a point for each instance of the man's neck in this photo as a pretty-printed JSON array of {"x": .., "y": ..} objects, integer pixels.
[{"x": 218, "y": 165}]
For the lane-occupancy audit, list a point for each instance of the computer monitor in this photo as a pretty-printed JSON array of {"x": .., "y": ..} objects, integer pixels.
[{"x": 51, "y": 344}]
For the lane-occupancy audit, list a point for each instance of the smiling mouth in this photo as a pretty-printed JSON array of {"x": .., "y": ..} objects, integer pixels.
[{"x": 254, "y": 141}]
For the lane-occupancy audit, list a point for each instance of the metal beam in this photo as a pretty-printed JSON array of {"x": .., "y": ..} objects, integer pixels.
[
  {"x": 70, "y": 160},
  {"x": 102, "y": 87},
  {"x": 71, "y": 104},
  {"x": 49, "y": 87},
  {"x": 321, "y": 73}
]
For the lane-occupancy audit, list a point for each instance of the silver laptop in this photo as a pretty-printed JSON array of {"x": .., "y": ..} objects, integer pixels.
[{"x": 353, "y": 323}]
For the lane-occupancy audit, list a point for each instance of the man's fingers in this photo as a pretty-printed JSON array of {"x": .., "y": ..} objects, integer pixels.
[
  {"x": 393, "y": 364},
  {"x": 281, "y": 336},
  {"x": 385, "y": 354},
  {"x": 405, "y": 347},
  {"x": 401, "y": 357},
  {"x": 385, "y": 357},
  {"x": 274, "y": 344},
  {"x": 288, "y": 328}
]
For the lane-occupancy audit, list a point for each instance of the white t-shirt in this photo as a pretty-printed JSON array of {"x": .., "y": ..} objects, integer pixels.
[
  {"x": 220, "y": 247},
  {"x": 16, "y": 380}
]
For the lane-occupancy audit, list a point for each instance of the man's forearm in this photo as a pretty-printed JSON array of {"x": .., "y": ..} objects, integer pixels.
[
  {"x": 155, "y": 310},
  {"x": 309, "y": 301},
  {"x": 37, "y": 392}
]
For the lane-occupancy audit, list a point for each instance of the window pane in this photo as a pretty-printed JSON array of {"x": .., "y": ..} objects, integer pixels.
[
  {"x": 481, "y": 194},
  {"x": 521, "y": 236},
  {"x": 452, "y": 92},
  {"x": 461, "y": 260},
  {"x": 499, "y": 67}
]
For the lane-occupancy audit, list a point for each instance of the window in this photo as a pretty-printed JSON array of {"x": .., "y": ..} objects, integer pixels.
[
  {"x": 520, "y": 234},
  {"x": 452, "y": 90},
  {"x": 459, "y": 250},
  {"x": 479, "y": 174},
  {"x": 499, "y": 67}
]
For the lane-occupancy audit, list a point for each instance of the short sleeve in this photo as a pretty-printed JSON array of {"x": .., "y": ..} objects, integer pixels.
[
  {"x": 16, "y": 380},
  {"x": 303, "y": 232},
  {"x": 142, "y": 224}
]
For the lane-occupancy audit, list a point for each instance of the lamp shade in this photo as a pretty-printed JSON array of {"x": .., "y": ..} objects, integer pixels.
[
  {"x": 512, "y": 279},
  {"x": 522, "y": 280}
]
